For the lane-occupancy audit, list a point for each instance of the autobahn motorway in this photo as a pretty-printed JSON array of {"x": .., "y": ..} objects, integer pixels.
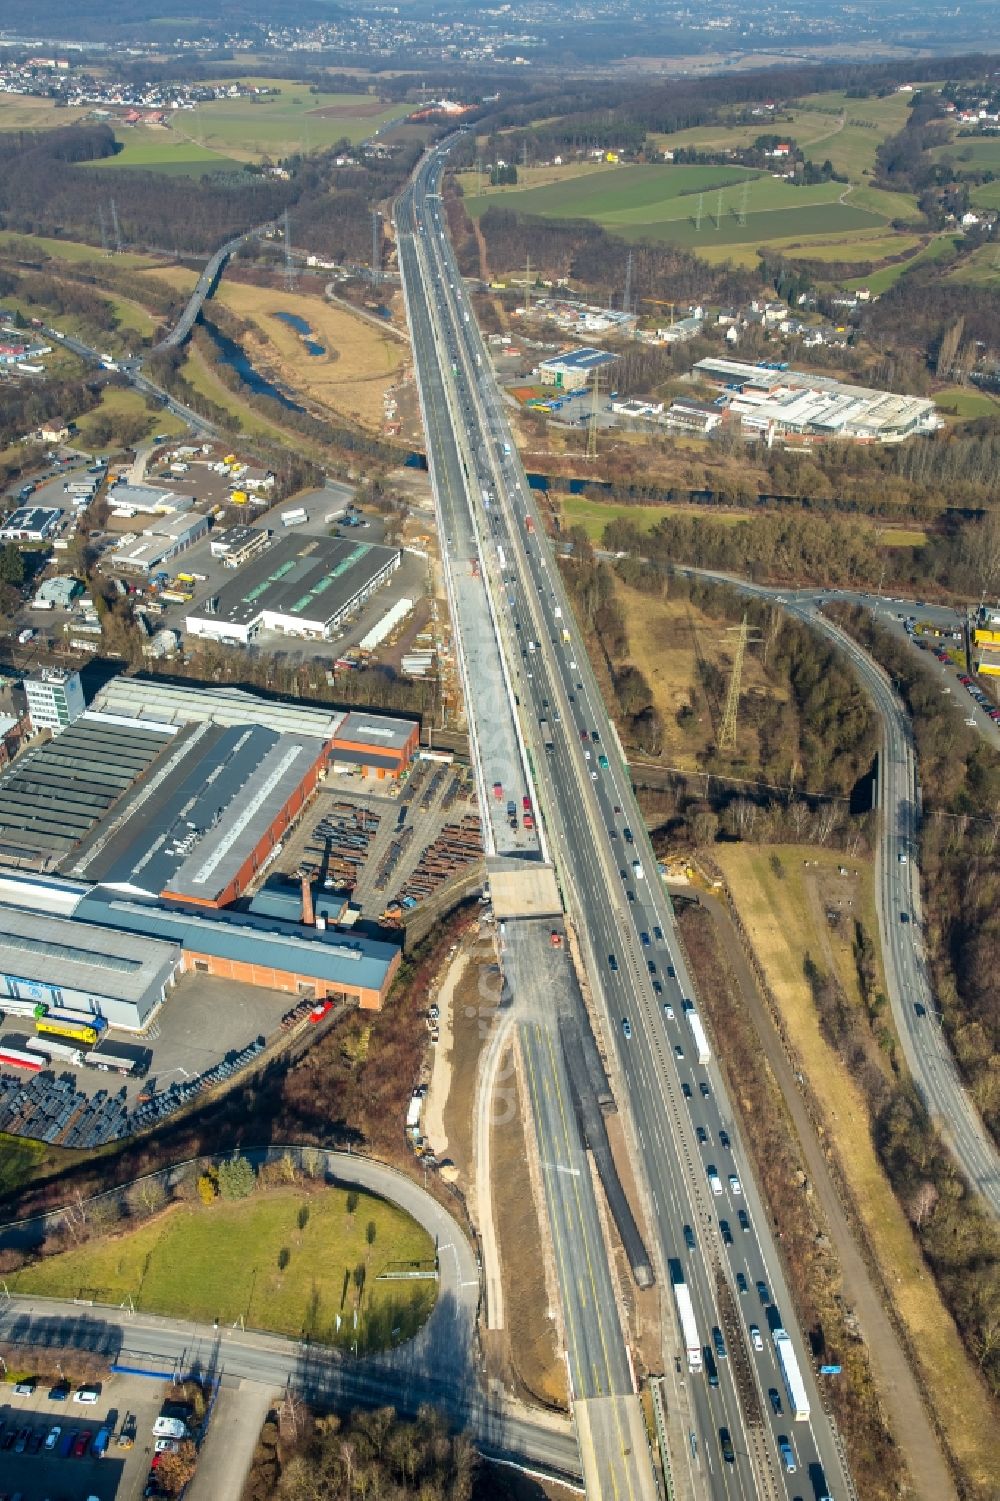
[
  {"x": 908, "y": 980},
  {"x": 714, "y": 1235}
]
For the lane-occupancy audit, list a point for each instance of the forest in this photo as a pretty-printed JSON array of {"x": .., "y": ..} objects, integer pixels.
[{"x": 44, "y": 191}]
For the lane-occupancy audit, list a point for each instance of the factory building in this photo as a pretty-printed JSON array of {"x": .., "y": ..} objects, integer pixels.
[
  {"x": 239, "y": 544},
  {"x": 211, "y": 818},
  {"x": 778, "y": 404},
  {"x": 60, "y": 962},
  {"x": 166, "y": 537},
  {"x": 379, "y": 747},
  {"x": 52, "y": 797},
  {"x": 125, "y": 499},
  {"x": 301, "y": 586},
  {"x": 55, "y": 699},
  {"x": 572, "y": 370},
  {"x": 30, "y": 524}
]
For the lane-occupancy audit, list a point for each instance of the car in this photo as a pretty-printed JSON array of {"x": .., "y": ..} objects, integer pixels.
[
  {"x": 726, "y": 1445},
  {"x": 706, "y": 1093},
  {"x": 627, "y": 832},
  {"x": 724, "y": 1140},
  {"x": 755, "y": 1338},
  {"x": 744, "y": 1220},
  {"x": 584, "y": 736},
  {"x": 741, "y": 1282},
  {"x": 671, "y": 972},
  {"x": 689, "y": 1239},
  {"x": 787, "y": 1455},
  {"x": 658, "y": 935},
  {"x": 59, "y": 1392},
  {"x": 711, "y": 1369},
  {"x": 714, "y": 1181},
  {"x": 626, "y": 1029},
  {"x": 702, "y": 1135},
  {"x": 904, "y": 917},
  {"x": 762, "y": 1292},
  {"x": 35, "y": 1440},
  {"x": 678, "y": 1050},
  {"x": 686, "y": 1090},
  {"x": 87, "y": 1396},
  {"x": 66, "y": 1443},
  {"x": 82, "y": 1443},
  {"x": 630, "y": 894},
  {"x": 775, "y": 1398},
  {"x": 725, "y": 1232},
  {"x": 719, "y": 1342},
  {"x": 52, "y": 1437},
  {"x": 7, "y": 1440},
  {"x": 21, "y": 1441},
  {"x": 612, "y": 963},
  {"x": 25, "y": 1388},
  {"x": 734, "y": 1184},
  {"x": 166, "y": 1446},
  {"x": 668, "y": 1012},
  {"x": 919, "y": 1008},
  {"x": 644, "y": 939},
  {"x": 657, "y": 988},
  {"x": 595, "y": 737}
]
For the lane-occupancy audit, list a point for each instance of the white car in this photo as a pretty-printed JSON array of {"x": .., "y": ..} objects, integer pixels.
[
  {"x": 167, "y": 1446},
  {"x": 755, "y": 1338},
  {"x": 87, "y": 1396},
  {"x": 54, "y": 1435},
  {"x": 734, "y": 1184}
]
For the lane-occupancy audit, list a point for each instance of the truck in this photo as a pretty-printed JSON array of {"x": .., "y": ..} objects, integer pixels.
[
  {"x": 17, "y": 1058},
  {"x": 14, "y": 1006},
  {"x": 791, "y": 1375},
  {"x": 543, "y": 726},
  {"x": 110, "y": 1061},
  {"x": 529, "y": 524},
  {"x": 565, "y": 636},
  {"x": 58, "y": 1052},
  {"x": 102, "y": 1439},
  {"x": 689, "y": 1329},
  {"x": 294, "y": 517},
  {"x": 702, "y": 1049}
]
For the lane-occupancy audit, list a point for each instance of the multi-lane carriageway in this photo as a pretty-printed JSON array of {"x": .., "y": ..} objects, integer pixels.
[{"x": 680, "y": 1118}]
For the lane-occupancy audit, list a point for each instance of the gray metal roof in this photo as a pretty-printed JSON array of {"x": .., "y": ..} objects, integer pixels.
[
  {"x": 53, "y": 796},
  {"x": 306, "y": 578},
  {"x": 379, "y": 732},
  {"x": 110, "y": 962},
  {"x": 191, "y": 833},
  {"x": 328, "y": 955},
  {"x": 179, "y": 703}
]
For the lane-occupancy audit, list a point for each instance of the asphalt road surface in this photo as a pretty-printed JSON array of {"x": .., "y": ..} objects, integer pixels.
[
  {"x": 911, "y": 996},
  {"x": 634, "y": 960}
]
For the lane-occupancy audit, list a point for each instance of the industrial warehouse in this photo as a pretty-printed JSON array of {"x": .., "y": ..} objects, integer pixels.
[
  {"x": 299, "y": 586},
  {"x": 135, "y": 839},
  {"x": 776, "y": 404}
]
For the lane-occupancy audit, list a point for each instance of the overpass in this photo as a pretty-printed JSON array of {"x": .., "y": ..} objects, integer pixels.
[{"x": 207, "y": 282}]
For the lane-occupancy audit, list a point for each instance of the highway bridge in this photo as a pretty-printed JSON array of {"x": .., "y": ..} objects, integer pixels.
[
  {"x": 731, "y": 1429},
  {"x": 207, "y": 282}
]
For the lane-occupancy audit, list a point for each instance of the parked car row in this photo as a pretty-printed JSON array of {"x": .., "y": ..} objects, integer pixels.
[{"x": 58, "y": 1441}]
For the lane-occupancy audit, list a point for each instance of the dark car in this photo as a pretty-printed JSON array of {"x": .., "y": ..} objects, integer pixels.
[
  {"x": 705, "y": 1091},
  {"x": 658, "y": 934},
  {"x": 686, "y": 1090},
  {"x": 741, "y": 1281},
  {"x": 702, "y": 1135},
  {"x": 59, "y": 1393},
  {"x": 82, "y": 1444},
  {"x": 21, "y": 1441},
  {"x": 775, "y": 1397},
  {"x": 762, "y": 1292},
  {"x": 719, "y": 1343},
  {"x": 612, "y": 962},
  {"x": 744, "y": 1220},
  {"x": 726, "y": 1445},
  {"x": 726, "y": 1233},
  {"x": 711, "y": 1369},
  {"x": 724, "y": 1139},
  {"x": 689, "y": 1239}
]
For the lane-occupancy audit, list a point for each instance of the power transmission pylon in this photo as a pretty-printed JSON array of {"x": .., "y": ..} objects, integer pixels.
[
  {"x": 592, "y": 428},
  {"x": 744, "y": 636},
  {"x": 527, "y": 286},
  {"x": 479, "y": 176},
  {"x": 744, "y": 200},
  {"x": 104, "y": 229},
  {"x": 376, "y": 248},
  {"x": 289, "y": 263},
  {"x": 727, "y": 730},
  {"x": 627, "y": 295},
  {"x": 718, "y": 211},
  {"x": 701, "y": 210},
  {"x": 116, "y": 227}
]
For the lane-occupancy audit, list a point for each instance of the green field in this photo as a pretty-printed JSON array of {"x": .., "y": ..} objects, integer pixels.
[
  {"x": 987, "y": 195},
  {"x": 867, "y": 123},
  {"x": 940, "y": 247},
  {"x": 665, "y": 203},
  {"x": 294, "y": 120},
  {"x": 27, "y": 247},
  {"x": 981, "y": 268},
  {"x": 970, "y": 151},
  {"x": 968, "y": 403},
  {"x": 164, "y": 151},
  {"x": 120, "y": 401},
  {"x": 224, "y": 1262},
  {"x": 19, "y": 1158}
]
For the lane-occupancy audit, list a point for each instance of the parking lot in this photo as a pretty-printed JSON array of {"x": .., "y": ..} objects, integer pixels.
[{"x": 64, "y": 1467}]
